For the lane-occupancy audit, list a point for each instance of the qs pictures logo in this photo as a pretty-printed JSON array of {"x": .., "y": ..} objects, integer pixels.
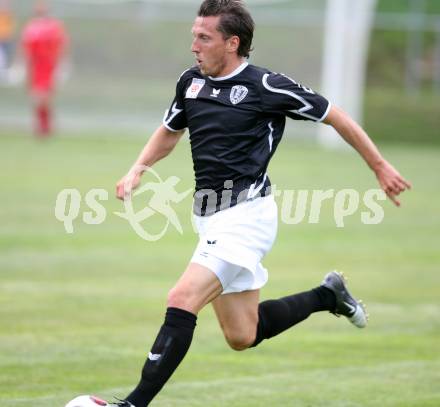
[{"x": 162, "y": 196}]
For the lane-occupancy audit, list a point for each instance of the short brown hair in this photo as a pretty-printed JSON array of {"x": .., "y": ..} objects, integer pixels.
[{"x": 235, "y": 19}]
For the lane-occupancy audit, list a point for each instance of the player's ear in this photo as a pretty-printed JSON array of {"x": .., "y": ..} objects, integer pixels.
[{"x": 233, "y": 43}]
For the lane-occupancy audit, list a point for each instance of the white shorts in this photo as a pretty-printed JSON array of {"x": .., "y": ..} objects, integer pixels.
[{"x": 234, "y": 241}]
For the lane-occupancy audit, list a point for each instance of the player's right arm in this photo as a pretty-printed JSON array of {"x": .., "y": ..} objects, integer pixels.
[{"x": 161, "y": 143}]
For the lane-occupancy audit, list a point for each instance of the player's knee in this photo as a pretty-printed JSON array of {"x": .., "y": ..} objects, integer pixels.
[
  {"x": 176, "y": 298},
  {"x": 240, "y": 341},
  {"x": 182, "y": 298}
]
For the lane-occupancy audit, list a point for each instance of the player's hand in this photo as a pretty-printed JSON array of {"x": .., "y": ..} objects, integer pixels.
[
  {"x": 391, "y": 181},
  {"x": 128, "y": 183}
]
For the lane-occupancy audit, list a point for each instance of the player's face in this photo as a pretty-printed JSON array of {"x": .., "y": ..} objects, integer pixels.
[{"x": 209, "y": 46}]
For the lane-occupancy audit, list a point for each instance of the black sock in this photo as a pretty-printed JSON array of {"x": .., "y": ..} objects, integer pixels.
[
  {"x": 275, "y": 316},
  {"x": 168, "y": 350}
]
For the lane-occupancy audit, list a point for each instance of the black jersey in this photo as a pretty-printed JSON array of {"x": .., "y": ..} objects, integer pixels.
[{"x": 235, "y": 124}]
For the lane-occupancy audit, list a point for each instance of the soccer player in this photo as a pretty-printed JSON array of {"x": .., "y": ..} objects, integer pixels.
[
  {"x": 44, "y": 42},
  {"x": 236, "y": 113}
]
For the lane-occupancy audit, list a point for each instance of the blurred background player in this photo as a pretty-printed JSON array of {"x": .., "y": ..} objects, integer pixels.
[
  {"x": 44, "y": 43},
  {"x": 7, "y": 29}
]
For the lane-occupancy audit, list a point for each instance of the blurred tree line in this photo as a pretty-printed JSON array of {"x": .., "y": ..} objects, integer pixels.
[
  {"x": 388, "y": 58},
  {"x": 402, "y": 100}
]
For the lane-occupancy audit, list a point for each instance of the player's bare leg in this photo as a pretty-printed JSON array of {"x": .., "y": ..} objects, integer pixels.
[
  {"x": 237, "y": 314},
  {"x": 245, "y": 322},
  {"x": 197, "y": 287},
  {"x": 42, "y": 102}
]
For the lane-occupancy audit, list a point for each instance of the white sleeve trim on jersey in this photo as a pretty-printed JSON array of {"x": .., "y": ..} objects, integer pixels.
[
  {"x": 326, "y": 112},
  {"x": 174, "y": 113},
  {"x": 307, "y": 106},
  {"x": 171, "y": 129},
  {"x": 183, "y": 73}
]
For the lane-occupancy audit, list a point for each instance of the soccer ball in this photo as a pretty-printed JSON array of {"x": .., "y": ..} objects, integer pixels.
[{"x": 87, "y": 401}]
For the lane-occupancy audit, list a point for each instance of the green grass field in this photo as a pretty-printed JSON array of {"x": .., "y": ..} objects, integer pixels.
[{"x": 79, "y": 312}]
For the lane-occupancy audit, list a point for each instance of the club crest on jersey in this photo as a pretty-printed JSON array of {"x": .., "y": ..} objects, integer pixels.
[
  {"x": 194, "y": 89},
  {"x": 238, "y": 93}
]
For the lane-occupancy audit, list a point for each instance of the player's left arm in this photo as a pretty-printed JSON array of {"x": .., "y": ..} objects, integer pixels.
[{"x": 389, "y": 178}]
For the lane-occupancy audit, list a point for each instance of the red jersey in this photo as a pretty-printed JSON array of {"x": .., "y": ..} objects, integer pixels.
[{"x": 43, "y": 41}]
